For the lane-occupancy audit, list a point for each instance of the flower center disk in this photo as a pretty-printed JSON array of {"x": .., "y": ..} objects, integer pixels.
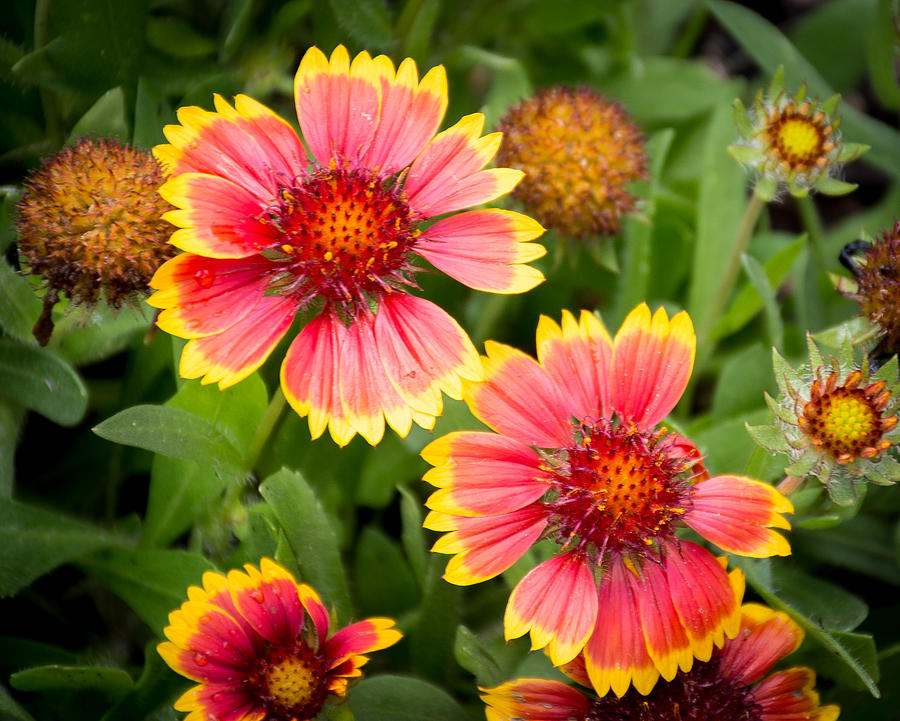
[
  {"x": 345, "y": 236},
  {"x": 844, "y": 422},
  {"x": 799, "y": 141},
  {"x": 618, "y": 489},
  {"x": 291, "y": 682}
]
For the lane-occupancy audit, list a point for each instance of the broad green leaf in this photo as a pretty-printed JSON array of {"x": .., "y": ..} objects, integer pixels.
[
  {"x": 382, "y": 468},
  {"x": 433, "y": 638},
  {"x": 151, "y": 112},
  {"x": 472, "y": 655},
  {"x": 881, "y": 47},
  {"x": 111, "y": 682},
  {"x": 768, "y": 47},
  {"x": 158, "y": 686},
  {"x": 366, "y": 21},
  {"x": 35, "y": 541},
  {"x": 768, "y": 583},
  {"x": 11, "y": 416},
  {"x": 105, "y": 119},
  {"x": 10, "y": 710},
  {"x": 174, "y": 37},
  {"x": 399, "y": 698},
  {"x": 856, "y": 331},
  {"x": 384, "y": 581},
  {"x": 757, "y": 275},
  {"x": 90, "y": 335},
  {"x": 311, "y": 536},
  {"x": 509, "y": 80},
  {"x": 152, "y": 582},
  {"x": 724, "y": 441},
  {"x": 38, "y": 379},
  {"x": 412, "y": 534},
  {"x": 19, "y": 306},
  {"x": 743, "y": 378},
  {"x": 172, "y": 432}
]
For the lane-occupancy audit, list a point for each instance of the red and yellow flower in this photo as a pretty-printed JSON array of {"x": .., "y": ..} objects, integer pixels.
[
  {"x": 578, "y": 458},
  {"x": 269, "y": 233},
  {"x": 258, "y": 645},
  {"x": 730, "y": 686}
]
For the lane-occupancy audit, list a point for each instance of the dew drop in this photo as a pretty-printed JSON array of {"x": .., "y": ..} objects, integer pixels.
[
  {"x": 192, "y": 323},
  {"x": 204, "y": 277},
  {"x": 218, "y": 696},
  {"x": 204, "y": 618},
  {"x": 257, "y": 595},
  {"x": 201, "y": 659}
]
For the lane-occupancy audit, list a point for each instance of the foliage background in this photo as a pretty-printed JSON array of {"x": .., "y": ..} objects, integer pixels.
[{"x": 102, "y": 527}]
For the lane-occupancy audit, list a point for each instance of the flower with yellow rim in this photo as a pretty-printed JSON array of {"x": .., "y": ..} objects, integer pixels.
[
  {"x": 835, "y": 421},
  {"x": 790, "y": 141},
  {"x": 259, "y": 646},
  {"x": 269, "y": 233},
  {"x": 731, "y": 686},
  {"x": 579, "y": 460}
]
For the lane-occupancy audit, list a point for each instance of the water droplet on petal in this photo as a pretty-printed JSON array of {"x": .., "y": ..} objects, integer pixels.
[
  {"x": 204, "y": 618},
  {"x": 201, "y": 659},
  {"x": 257, "y": 595},
  {"x": 218, "y": 696},
  {"x": 204, "y": 277},
  {"x": 192, "y": 323}
]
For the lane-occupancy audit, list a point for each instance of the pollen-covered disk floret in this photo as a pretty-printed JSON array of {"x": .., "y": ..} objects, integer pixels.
[
  {"x": 792, "y": 142},
  {"x": 835, "y": 420}
]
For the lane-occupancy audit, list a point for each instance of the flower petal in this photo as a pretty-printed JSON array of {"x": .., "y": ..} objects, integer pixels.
[
  {"x": 372, "y": 634},
  {"x": 535, "y": 699},
  {"x": 217, "y": 218},
  {"x": 485, "y": 547},
  {"x": 411, "y": 112},
  {"x": 268, "y": 601},
  {"x": 235, "y": 353},
  {"x": 518, "y": 399},
  {"x": 651, "y": 364},
  {"x": 557, "y": 603},
  {"x": 337, "y": 104},
  {"x": 314, "y": 608},
  {"x": 766, "y": 637},
  {"x": 736, "y": 514},
  {"x": 250, "y": 146},
  {"x": 309, "y": 377},
  {"x": 445, "y": 177},
  {"x": 222, "y": 702},
  {"x": 423, "y": 351},
  {"x": 789, "y": 695},
  {"x": 485, "y": 249}
]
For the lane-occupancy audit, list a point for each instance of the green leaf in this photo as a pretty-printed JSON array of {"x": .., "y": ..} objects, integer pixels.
[
  {"x": 172, "y": 432},
  {"x": 744, "y": 375},
  {"x": 412, "y": 534},
  {"x": 366, "y": 21},
  {"x": 392, "y": 462},
  {"x": 174, "y": 37},
  {"x": 769, "y": 437},
  {"x": 420, "y": 26},
  {"x": 35, "y": 541},
  {"x": 856, "y": 331},
  {"x": 11, "y": 417},
  {"x": 472, "y": 655},
  {"x": 152, "y": 582},
  {"x": 768, "y": 47},
  {"x": 384, "y": 581},
  {"x": 238, "y": 21},
  {"x": 311, "y": 535},
  {"x": 111, "y": 682},
  {"x": 760, "y": 281},
  {"x": 91, "y": 335},
  {"x": 10, "y": 710},
  {"x": 151, "y": 112},
  {"x": 19, "y": 306},
  {"x": 399, "y": 698},
  {"x": 105, "y": 119},
  {"x": 833, "y": 186},
  {"x": 38, "y": 379},
  {"x": 157, "y": 686},
  {"x": 881, "y": 47},
  {"x": 769, "y": 582},
  {"x": 433, "y": 638},
  {"x": 509, "y": 80}
]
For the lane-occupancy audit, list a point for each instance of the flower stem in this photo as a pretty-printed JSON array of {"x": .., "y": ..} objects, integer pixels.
[
  {"x": 48, "y": 99},
  {"x": 267, "y": 426}
]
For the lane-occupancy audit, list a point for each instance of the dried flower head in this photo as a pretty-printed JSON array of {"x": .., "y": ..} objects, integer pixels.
[
  {"x": 835, "y": 421},
  {"x": 579, "y": 150},
  {"x": 788, "y": 140},
  {"x": 876, "y": 283}
]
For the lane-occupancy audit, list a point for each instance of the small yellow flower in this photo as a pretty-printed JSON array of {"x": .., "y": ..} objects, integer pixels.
[{"x": 793, "y": 142}]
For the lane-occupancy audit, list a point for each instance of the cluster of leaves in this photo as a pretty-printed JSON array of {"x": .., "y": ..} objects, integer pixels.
[{"x": 121, "y": 483}]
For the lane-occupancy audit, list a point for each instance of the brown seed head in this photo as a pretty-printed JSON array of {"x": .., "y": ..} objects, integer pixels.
[
  {"x": 578, "y": 151},
  {"x": 878, "y": 279}
]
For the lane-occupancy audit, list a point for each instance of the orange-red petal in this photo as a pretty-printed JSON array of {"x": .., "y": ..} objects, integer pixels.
[
  {"x": 766, "y": 637},
  {"x": 372, "y": 634},
  {"x": 268, "y": 601},
  {"x": 789, "y": 695},
  {"x": 534, "y": 699}
]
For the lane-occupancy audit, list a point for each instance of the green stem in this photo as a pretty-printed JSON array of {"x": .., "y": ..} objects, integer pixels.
[
  {"x": 691, "y": 32},
  {"x": 48, "y": 99},
  {"x": 267, "y": 426},
  {"x": 726, "y": 285},
  {"x": 813, "y": 294},
  {"x": 812, "y": 223}
]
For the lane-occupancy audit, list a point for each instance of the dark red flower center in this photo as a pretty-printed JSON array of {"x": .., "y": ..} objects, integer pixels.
[
  {"x": 345, "y": 236},
  {"x": 702, "y": 694},
  {"x": 617, "y": 489},
  {"x": 291, "y": 682}
]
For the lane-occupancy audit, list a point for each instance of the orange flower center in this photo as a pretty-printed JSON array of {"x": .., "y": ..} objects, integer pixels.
[
  {"x": 291, "y": 682},
  {"x": 846, "y": 421},
  {"x": 345, "y": 236},
  {"x": 799, "y": 141},
  {"x": 618, "y": 489}
]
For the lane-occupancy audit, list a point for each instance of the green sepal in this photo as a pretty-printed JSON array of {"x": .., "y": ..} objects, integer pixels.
[
  {"x": 851, "y": 151},
  {"x": 741, "y": 119},
  {"x": 744, "y": 154},
  {"x": 888, "y": 372},
  {"x": 833, "y": 186},
  {"x": 798, "y": 191},
  {"x": 843, "y": 285},
  {"x": 785, "y": 376},
  {"x": 779, "y": 410},
  {"x": 888, "y": 469},
  {"x": 803, "y": 465},
  {"x": 776, "y": 87},
  {"x": 857, "y": 330},
  {"x": 842, "y": 490},
  {"x": 846, "y": 357},
  {"x": 815, "y": 357},
  {"x": 769, "y": 437},
  {"x": 765, "y": 188},
  {"x": 830, "y": 105},
  {"x": 876, "y": 477},
  {"x": 801, "y": 93}
]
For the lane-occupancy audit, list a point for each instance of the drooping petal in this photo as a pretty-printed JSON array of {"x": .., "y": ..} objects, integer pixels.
[
  {"x": 233, "y": 354},
  {"x": 447, "y": 175},
  {"x": 372, "y": 634},
  {"x": 616, "y": 654},
  {"x": 411, "y": 112},
  {"x": 202, "y": 296},
  {"x": 423, "y": 351},
  {"x": 686, "y": 449},
  {"x": 569, "y": 354},
  {"x": 485, "y": 249},
  {"x": 766, "y": 637},
  {"x": 706, "y": 599},
  {"x": 557, "y": 603},
  {"x": 737, "y": 513},
  {"x": 315, "y": 609},
  {"x": 250, "y": 146},
  {"x": 337, "y": 104},
  {"x": 534, "y": 699},
  {"x": 268, "y": 600},
  {"x": 481, "y": 474},
  {"x": 485, "y": 547},
  {"x": 518, "y": 399},
  {"x": 309, "y": 377},
  {"x": 221, "y": 702},
  {"x": 789, "y": 695},
  {"x": 651, "y": 363}
]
